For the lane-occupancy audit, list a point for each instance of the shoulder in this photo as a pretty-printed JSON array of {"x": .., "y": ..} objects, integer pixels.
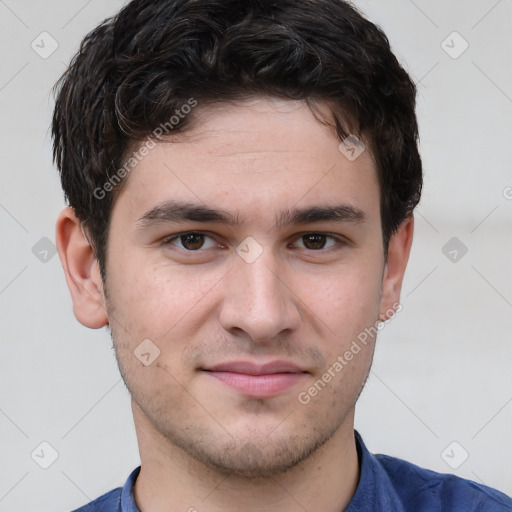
[
  {"x": 108, "y": 502},
  {"x": 421, "y": 489}
]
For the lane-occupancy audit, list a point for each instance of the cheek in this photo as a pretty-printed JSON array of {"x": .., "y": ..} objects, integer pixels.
[
  {"x": 348, "y": 303},
  {"x": 345, "y": 298},
  {"x": 157, "y": 299}
]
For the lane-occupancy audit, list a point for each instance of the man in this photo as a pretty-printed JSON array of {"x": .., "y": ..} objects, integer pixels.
[{"x": 241, "y": 179}]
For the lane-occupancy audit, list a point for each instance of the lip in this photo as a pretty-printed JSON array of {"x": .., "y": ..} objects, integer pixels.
[
  {"x": 251, "y": 368},
  {"x": 257, "y": 380}
]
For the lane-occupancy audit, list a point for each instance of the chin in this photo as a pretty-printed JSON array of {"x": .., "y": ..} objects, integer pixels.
[{"x": 253, "y": 456}]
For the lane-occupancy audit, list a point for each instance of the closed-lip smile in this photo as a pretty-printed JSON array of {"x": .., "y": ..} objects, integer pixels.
[{"x": 257, "y": 380}]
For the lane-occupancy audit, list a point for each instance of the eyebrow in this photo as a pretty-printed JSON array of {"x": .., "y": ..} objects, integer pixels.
[{"x": 177, "y": 211}]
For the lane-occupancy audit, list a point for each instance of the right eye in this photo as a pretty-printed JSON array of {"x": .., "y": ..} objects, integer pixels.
[{"x": 191, "y": 241}]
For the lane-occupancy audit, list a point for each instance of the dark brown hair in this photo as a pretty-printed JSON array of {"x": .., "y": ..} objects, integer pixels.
[{"x": 137, "y": 69}]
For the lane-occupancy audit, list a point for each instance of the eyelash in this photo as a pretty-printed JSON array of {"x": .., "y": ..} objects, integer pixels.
[{"x": 340, "y": 241}]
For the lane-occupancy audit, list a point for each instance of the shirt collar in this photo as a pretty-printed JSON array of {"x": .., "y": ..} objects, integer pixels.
[
  {"x": 127, "y": 502},
  {"x": 374, "y": 490}
]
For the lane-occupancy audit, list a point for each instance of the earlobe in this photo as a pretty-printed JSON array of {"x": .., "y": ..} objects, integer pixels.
[
  {"x": 81, "y": 271},
  {"x": 398, "y": 256}
]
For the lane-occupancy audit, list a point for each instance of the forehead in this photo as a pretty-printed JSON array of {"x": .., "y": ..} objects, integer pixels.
[{"x": 259, "y": 157}]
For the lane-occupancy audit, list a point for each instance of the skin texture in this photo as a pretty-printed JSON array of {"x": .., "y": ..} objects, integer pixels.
[{"x": 202, "y": 443}]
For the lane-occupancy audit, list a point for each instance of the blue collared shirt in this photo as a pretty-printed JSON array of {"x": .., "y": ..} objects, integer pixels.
[{"x": 386, "y": 484}]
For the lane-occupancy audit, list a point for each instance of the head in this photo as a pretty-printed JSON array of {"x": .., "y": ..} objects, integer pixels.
[{"x": 233, "y": 119}]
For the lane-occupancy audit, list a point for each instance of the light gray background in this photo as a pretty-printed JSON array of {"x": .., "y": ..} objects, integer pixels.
[{"x": 442, "y": 369}]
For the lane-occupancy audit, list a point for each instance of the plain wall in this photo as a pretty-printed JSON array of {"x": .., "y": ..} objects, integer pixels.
[{"x": 442, "y": 368}]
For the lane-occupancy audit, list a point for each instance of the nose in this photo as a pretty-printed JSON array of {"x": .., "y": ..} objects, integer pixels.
[{"x": 258, "y": 299}]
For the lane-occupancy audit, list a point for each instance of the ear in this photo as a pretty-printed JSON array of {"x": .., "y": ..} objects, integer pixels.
[
  {"x": 398, "y": 256},
  {"x": 82, "y": 271}
]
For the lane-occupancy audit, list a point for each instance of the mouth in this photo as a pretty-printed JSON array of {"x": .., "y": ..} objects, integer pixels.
[{"x": 257, "y": 380}]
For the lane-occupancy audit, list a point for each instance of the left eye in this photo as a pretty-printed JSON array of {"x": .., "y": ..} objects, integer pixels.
[
  {"x": 317, "y": 241},
  {"x": 191, "y": 241}
]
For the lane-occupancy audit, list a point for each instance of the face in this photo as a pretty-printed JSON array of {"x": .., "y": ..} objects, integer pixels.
[{"x": 247, "y": 257}]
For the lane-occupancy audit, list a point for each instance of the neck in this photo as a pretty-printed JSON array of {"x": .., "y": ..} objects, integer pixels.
[{"x": 170, "y": 480}]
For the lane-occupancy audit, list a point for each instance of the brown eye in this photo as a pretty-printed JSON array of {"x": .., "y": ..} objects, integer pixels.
[
  {"x": 319, "y": 241},
  {"x": 191, "y": 241},
  {"x": 314, "y": 241}
]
